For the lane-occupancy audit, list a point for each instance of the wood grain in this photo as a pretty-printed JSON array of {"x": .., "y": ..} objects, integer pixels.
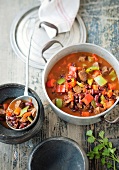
[{"x": 101, "y": 18}]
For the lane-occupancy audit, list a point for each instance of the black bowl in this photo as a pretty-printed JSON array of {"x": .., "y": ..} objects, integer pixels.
[
  {"x": 14, "y": 137},
  {"x": 58, "y": 153}
]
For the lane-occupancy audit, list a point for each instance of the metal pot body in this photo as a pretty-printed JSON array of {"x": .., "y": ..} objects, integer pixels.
[{"x": 86, "y": 47}]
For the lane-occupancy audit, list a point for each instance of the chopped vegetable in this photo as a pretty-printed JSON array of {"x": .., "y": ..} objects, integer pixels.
[
  {"x": 109, "y": 93},
  {"x": 72, "y": 71},
  {"x": 112, "y": 86},
  {"x": 95, "y": 87},
  {"x": 113, "y": 75},
  {"x": 59, "y": 103},
  {"x": 95, "y": 57},
  {"x": 92, "y": 68},
  {"x": 30, "y": 119},
  {"x": 93, "y": 103},
  {"x": 87, "y": 99},
  {"x": 80, "y": 84},
  {"x": 85, "y": 114},
  {"x": 25, "y": 115},
  {"x": 90, "y": 81},
  {"x": 96, "y": 73},
  {"x": 61, "y": 81},
  {"x": 50, "y": 83},
  {"x": 17, "y": 110},
  {"x": 60, "y": 88},
  {"x": 109, "y": 103},
  {"x": 100, "y": 80},
  {"x": 90, "y": 59},
  {"x": 24, "y": 110}
]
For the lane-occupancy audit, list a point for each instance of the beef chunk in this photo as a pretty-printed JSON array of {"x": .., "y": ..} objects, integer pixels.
[
  {"x": 33, "y": 111},
  {"x": 79, "y": 105},
  {"x": 77, "y": 89},
  {"x": 105, "y": 70},
  {"x": 98, "y": 110},
  {"x": 116, "y": 93},
  {"x": 82, "y": 75},
  {"x": 96, "y": 64},
  {"x": 82, "y": 58},
  {"x": 71, "y": 105},
  {"x": 20, "y": 104}
]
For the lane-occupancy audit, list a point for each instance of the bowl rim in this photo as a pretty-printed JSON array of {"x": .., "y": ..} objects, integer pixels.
[{"x": 60, "y": 138}]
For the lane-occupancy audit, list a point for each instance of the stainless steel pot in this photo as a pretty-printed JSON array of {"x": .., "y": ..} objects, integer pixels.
[{"x": 86, "y": 47}]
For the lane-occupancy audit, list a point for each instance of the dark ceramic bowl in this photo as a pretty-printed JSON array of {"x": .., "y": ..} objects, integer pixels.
[
  {"x": 8, "y": 135},
  {"x": 58, "y": 153}
]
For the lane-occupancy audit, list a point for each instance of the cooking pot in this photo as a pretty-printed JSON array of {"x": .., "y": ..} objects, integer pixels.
[{"x": 85, "y": 47}]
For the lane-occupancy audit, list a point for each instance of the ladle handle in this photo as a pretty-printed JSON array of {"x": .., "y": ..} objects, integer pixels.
[{"x": 27, "y": 60}]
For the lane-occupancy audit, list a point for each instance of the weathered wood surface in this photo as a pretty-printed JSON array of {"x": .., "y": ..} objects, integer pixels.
[{"x": 101, "y": 18}]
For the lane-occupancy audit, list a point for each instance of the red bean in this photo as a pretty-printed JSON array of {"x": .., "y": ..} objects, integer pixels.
[
  {"x": 96, "y": 98},
  {"x": 28, "y": 103},
  {"x": 99, "y": 104},
  {"x": 21, "y": 126}
]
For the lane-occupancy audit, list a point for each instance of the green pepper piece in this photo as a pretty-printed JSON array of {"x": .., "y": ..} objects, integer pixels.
[
  {"x": 61, "y": 81},
  {"x": 102, "y": 98},
  {"x": 93, "y": 103},
  {"x": 100, "y": 80},
  {"x": 59, "y": 103},
  {"x": 90, "y": 81},
  {"x": 92, "y": 68},
  {"x": 80, "y": 84},
  {"x": 30, "y": 119},
  {"x": 113, "y": 75},
  {"x": 24, "y": 110}
]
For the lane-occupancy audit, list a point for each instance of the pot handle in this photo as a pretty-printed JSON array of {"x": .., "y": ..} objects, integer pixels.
[
  {"x": 111, "y": 122},
  {"x": 47, "y": 46}
]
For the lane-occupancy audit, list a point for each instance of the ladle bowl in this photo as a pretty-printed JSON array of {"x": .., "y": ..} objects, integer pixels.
[{"x": 23, "y": 98}]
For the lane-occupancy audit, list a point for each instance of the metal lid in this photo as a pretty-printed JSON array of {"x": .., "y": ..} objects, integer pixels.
[{"x": 20, "y": 37}]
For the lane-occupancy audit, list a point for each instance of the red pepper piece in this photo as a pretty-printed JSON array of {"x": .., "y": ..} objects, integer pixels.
[
  {"x": 87, "y": 99},
  {"x": 50, "y": 83}
]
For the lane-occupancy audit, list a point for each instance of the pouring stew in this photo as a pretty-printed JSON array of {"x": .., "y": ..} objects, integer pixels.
[{"x": 83, "y": 84}]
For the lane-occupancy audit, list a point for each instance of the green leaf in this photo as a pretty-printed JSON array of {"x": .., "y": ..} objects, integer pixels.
[
  {"x": 106, "y": 152},
  {"x": 103, "y": 161},
  {"x": 91, "y": 139},
  {"x": 89, "y": 133},
  {"x": 97, "y": 156},
  {"x": 91, "y": 154},
  {"x": 100, "y": 146},
  {"x": 95, "y": 149},
  {"x": 110, "y": 144},
  {"x": 105, "y": 140},
  {"x": 101, "y": 134},
  {"x": 109, "y": 165}
]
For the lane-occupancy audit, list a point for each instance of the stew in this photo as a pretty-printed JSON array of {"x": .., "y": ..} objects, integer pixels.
[
  {"x": 82, "y": 84},
  {"x": 20, "y": 114}
]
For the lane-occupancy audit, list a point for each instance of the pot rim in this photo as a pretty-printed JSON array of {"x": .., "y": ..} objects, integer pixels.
[{"x": 62, "y": 112}]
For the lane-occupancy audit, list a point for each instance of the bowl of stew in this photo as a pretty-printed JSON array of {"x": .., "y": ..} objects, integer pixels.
[
  {"x": 81, "y": 83},
  {"x": 8, "y": 92}
]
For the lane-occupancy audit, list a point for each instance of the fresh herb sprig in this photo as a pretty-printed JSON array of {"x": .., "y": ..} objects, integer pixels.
[{"x": 102, "y": 150}]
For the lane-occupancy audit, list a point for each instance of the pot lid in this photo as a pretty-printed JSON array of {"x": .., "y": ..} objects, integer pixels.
[{"x": 27, "y": 21}]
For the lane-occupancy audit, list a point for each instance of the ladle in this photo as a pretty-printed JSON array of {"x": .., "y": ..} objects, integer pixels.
[{"x": 26, "y": 97}]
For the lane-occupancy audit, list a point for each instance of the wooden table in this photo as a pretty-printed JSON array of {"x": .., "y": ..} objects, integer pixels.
[{"x": 101, "y": 18}]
